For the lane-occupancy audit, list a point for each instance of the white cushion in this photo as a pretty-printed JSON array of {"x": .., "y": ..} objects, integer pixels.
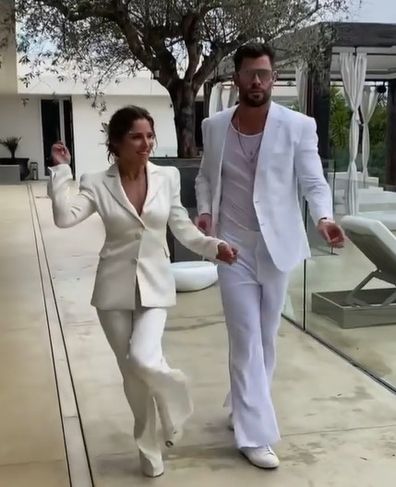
[
  {"x": 388, "y": 218},
  {"x": 371, "y": 227},
  {"x": 194, "y": 275}
]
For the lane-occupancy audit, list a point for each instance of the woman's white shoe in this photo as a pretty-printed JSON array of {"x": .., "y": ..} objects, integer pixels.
[{"x": 148, "y": 468}]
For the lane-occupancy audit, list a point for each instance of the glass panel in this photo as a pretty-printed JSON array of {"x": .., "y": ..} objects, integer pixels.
[
  {"x": 294, "y": 308},
  {"x": 362, "y": 325}
]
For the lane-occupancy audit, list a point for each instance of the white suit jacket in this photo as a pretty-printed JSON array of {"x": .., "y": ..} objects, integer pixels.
[
  {"x": 135, "y": 247},
  {"x": 288, "y": 158}
]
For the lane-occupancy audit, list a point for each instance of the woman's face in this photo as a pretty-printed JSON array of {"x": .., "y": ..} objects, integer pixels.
[{"x": 137, "y": 144}]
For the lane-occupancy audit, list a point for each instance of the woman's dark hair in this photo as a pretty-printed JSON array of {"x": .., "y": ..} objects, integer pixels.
[
  {"x": 253, "y": 51},
  {"x": 121, "y": 123}
]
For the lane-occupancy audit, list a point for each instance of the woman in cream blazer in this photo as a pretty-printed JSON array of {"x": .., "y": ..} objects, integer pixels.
[{"x": 134, "y": 285}]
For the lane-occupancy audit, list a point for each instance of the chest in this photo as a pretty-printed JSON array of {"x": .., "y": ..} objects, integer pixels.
[
  {"x": 124, "y": 209},
  {"x": 135, "y": 192}
]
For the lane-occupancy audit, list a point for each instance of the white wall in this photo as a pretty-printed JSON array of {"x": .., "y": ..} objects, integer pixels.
[
  {"x": 19, "y": 120},
  {"x": 90, "y": 151}
]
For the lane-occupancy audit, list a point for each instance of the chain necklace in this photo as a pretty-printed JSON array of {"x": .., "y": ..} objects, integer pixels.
[{"x": 252, "y": 157}]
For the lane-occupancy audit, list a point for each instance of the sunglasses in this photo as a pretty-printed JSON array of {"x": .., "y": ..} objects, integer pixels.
[{"x": 264, "y": 75}]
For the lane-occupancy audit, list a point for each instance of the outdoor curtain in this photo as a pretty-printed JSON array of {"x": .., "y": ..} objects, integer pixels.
[
  {"x": 216, "y": 100},
  {"x": 233, "y": 96},
  {"x": 353, "y": 73},
  {"x": 369, "y": 103}
]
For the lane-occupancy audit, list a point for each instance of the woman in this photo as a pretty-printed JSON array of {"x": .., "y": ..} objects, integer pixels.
[{"x": 134, "y": 285}]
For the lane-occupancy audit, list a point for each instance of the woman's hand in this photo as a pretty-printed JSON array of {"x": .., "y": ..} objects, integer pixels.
[
  {"x": 60, "y": 154},
  {"x": 226, "y": 253}
]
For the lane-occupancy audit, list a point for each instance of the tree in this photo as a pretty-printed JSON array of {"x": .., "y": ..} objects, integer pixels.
[
  {"x": 340, "y": 118},
  {"x": 180, "y": 41}
]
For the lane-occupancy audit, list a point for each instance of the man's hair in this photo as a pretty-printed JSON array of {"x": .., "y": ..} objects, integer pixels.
[{"x": 253, "y": 50}]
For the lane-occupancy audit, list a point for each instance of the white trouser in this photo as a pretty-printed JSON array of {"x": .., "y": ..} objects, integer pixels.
[
  {"x": 135, "y": 337},
  {"x": 253, "y": 293}
]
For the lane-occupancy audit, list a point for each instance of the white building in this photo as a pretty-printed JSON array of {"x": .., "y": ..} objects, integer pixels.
[{"x": 48, "y": 110}]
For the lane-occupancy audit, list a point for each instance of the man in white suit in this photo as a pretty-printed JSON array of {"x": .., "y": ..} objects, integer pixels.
[{"x": 255, "y": 157}]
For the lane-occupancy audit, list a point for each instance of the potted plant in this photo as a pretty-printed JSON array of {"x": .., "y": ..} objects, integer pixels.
[{"x": 12, "y": 143}]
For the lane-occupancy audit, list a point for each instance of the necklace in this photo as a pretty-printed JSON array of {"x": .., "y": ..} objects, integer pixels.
[{"x": 251, "y": 158}]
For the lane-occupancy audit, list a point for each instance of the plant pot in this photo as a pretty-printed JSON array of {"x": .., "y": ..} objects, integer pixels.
[{"x": 21, "y": 161}]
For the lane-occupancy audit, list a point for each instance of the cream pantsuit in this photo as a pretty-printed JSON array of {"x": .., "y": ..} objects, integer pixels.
[
  {"x": 134, "y": 286},
  {"x": 149, "y": 383}
]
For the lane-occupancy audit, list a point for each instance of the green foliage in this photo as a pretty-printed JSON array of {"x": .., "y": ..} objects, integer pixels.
[{"x": 340, "y": 116}]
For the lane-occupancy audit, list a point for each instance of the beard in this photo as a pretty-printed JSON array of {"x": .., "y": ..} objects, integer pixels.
[{"x": 255, "y": 99}]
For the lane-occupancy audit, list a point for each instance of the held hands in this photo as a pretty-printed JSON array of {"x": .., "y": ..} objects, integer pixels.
[
  {"x": 226, "y": 253},
  {"x": 60, "y": 154},
  {"x": 332, "y": 233}
]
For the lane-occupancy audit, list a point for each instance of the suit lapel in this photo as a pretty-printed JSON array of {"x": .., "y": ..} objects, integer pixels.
[
  {"x": 270, "y": 135},
  {"x": 112, "y": 182},
  {"x": 220, "y": 135},
  {"x": 154, "y": 181}
]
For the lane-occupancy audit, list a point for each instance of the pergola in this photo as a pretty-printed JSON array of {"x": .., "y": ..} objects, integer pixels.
[{"x": 363, "y": 57}]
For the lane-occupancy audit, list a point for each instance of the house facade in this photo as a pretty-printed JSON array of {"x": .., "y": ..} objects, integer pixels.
[{"x": 48, "y": 110}]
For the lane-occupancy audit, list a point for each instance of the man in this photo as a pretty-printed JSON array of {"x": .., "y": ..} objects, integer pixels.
[{"x": 256, "y": 155}]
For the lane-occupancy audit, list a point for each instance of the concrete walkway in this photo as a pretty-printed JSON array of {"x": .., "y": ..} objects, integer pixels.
[{"x": 339, "y": 426}]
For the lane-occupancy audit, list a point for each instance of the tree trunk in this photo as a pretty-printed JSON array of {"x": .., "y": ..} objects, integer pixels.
[{"x": 183, "y": 99}]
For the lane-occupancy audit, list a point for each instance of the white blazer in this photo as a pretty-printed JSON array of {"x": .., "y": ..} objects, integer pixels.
[
  {"x": 135, "y": 247},
  {"x": 288, "y": 158}
]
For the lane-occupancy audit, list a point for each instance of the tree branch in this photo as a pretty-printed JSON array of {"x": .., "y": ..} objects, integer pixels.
[
  {"x": 82, "y": 11},
  {"x": 190, "y": 30},
  {"x": 210, "y": 62},
  {"x": 132, "y": 36}
]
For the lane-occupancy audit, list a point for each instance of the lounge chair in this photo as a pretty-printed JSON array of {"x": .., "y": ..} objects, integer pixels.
[{"x": 378, "y": 244}]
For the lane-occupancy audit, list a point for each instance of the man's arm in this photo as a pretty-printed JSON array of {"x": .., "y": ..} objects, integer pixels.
[
  {"x": 310, "y": 175},
  {"x": 314, "y": 186}
]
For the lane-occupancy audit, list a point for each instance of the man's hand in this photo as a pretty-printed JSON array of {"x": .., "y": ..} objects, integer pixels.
[
  {"x": 226, "y": 253},
  {"x": 204, "y": 223},
  {"x": 332, "y": 233}
]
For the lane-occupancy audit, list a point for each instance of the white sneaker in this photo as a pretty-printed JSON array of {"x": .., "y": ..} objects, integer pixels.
[{"x": 262, "y": 457}]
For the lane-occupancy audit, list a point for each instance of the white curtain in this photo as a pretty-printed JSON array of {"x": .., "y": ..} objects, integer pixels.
[
  {"x": 233, "y": 96},
  {"x": 302, "y": 86},
  {"x": 216, "y": 99},
  {"x": 369, "y": 103},
  {"x": 353, "y": 73}
]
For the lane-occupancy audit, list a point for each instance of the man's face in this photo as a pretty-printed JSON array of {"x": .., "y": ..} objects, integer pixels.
[{"x": 255, "y": 80}]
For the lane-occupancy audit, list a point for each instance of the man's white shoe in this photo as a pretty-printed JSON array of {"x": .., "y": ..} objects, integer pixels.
[{"x": 262, "y": 457}]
